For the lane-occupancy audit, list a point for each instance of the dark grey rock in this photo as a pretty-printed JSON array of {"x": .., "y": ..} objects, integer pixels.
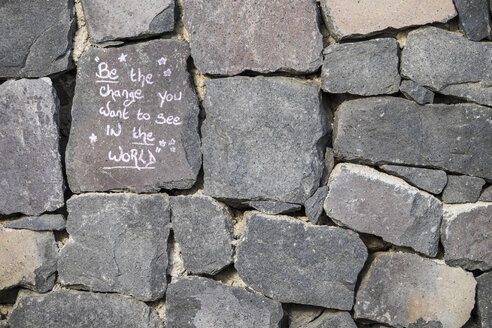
[
  {"x": 329, "y": 165},
  {"x": 417, "y": 93},
  {"x": 449, "y": 64},
  {"x": 36, "y": 37},
  {"x": 61, "y": 309},
  {"x": 462, "y": 189},
  {"x": 400, "y": 289},
  {"x": 377, "y": 130},
  {"x": 39, "y": 223},
  {"x": 332, "y": 319},
  {"x": 486, "y": 195},
  {"x": 364, "y": 68},
  {"x": 146, "y": 141},
  {"x": 262, "y": 139},
  {"x": 203, "y": 228},
  {"x": 118, "y": 243},
  {"x": 484, "y": 300},
  {"x": 31, "y": 180},
  {"x": 421, "y": 323},
  {"x": 366, "y": 200},
  {"x": 474, "y": 18},
  {"x": 465, "y": 235},
  {"x": 294, "y": 262},
  {"x": 314, "y": 205},
  {"x": 269, "y": 207},
  {"x": 429, "y": 180},
  {"x": 202, "y": 303}
]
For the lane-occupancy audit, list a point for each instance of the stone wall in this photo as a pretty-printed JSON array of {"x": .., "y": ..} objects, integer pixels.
[{"x": 220, "y": 163}]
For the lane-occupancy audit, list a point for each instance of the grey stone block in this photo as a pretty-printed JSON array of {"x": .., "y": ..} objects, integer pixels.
[
  {"x": 39, "y": 223},
  {"x": 462, "y": 189},
  {"x": 474, "y": 18},
  {"x": 484, "y": 300},
  {"x": 417, "y": 93},
  {"x": 486, "y": 195},
  {"x": 314, "y": 205},
  {"x": 429, "y": 180}
]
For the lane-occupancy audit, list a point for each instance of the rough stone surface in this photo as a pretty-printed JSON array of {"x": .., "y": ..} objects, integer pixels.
[
  {"x": 202, "y": 303},
  {"x": 228, "y": 38},
  {"x": 486, "y": 195},
  {"x": 39, "y": 223},
  {"x": 203, "y": 228},
  {"x": 143, "y": 142},
  {"x": 332, "y": 319},
  {"x": 462, "y": 189},
  {"x": 273, "y": 207},
  {"x": 448, "y": 63},
  {"x": 300, "y": 315},
  {"x": 294, "y": 262},
  {"x": 118, "y": 243},
  {"x": 474, "y": 18},
  {"x": 484, "y": 299},
  {"x": 31, "y": 180},
  {"x": 429, "y": 180},
  {"x": 465, "y": 235},
  {"x": 28, "y": 259},
  {"x": 108, "y": 21},
  {"x": 419, "y": 288},
  {"x": 61, "y": 309},
  {"x": 417, "y": 93},
  {"x": 329, "y": 165},
  {"x": 262, "y": 139},
  {"x": 36, "y": 37},
  {"x": 314, "y": 205},
  {"x": 364, "y": 68},
  {"x": 384, "y": 130},
  {"x": 366, "y": 200},
  {"x": 354, "y": 18}
]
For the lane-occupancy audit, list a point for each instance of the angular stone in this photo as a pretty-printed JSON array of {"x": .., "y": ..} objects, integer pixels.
[
  {"x": 355, "y": 18},
  {"x": 314, "y": 205},
  {"x": 377, "y": 131},
  {"x": 486, "y": 195},
  {"x": 228, "y": 38},
  {"x": 200, "y": 302},
  {"x": 364, "y": 68},
  {"x": 254, "y": 126},
  {"x": 294, "y": 262},
  {"x": 332, "y": 319},
  {"x": 143, "y": 135},
  {"x": 448, "y": 63},
  {"x": 300, "y": 315},
  {"x": 366, "y": 200},
  {"x": 462, "y": 189},
  {"x": 203, "y": 228},
  {"x": 28, "y": 259},
  {"x": 39, "y": 223},
  {"x": 417, "y": 93},
  {"x": 484, "y": 300},
  {"x": 118, "y": 243},
  {"x": 429, "y": 180},
  {"x": 329, "y": 165},
  {"x": 36, "y": 37},
  {"x": 465, "y": 235},
  {"x": 62, "y": 308},
  {"x": 273, "y": 207},
  {"x": 31, "y": 180},
  {"x": 402, "y": 288},
  {"x": 474, "y": 18},
  {"x": 107, "y": 21}
]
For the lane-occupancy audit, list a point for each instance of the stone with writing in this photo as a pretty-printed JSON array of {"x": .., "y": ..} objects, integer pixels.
[
  {"x": 474, "y": 18},
  {"x": 134, "y": 120},
  {"x": 484, "y": 299},
  {"x": 429, "y": 180},
  {"x": 417, "y": 93},
  {"x": 462, "y": 189},
  {"x": 45, "y": 222}
]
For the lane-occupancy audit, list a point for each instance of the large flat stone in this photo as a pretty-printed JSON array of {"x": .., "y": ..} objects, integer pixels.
[
  {"x": 228, "y": 38},
  {"x": 393, "y": 210},
  {"x": 400, "y": 289},
  {"x": 462, "y": 189},
  {"x": 118, "y": 243},
  {"x": 294, "y": 262},
  {"x": 31, "y": 180},
  {"x": 141, "y": 136},
  {"x": 384, "y": 130},
  {"x": 203, "y": 303},
  {"x": 429, "y": 180},
  {"x": 474, "y": 18},
  {"x": 45, "y": 222},
  {"x": 484, "y": 300},
  {"x": 262, "y": 139}
]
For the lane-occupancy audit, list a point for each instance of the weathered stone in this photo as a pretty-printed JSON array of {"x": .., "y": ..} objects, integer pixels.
[
  {"x": 364, "y": 68},
  {"x": 31, "y": 180},
  {"x": 329, "y": 165},
  {"x": 486, "y": 195},
  {"x": 332, "y": 319},
  {"x": 228, "y": 38},
  {"x": 203, "y": 228},
  {"x": 294, "y": 262},
  {"x": 430, "y": 180},
  {"x": 417, "y": 93},
  {"x": 354, "y": 18},
  {"x": 118, "y": 243},
  {"x": 36, "y": 37},
  {"x": 402, "y": 288},
  {"x": 484, "y": 299},
  {"x": 38, "y": 223},
  {"x": 254, "y": 126},
  {"x": 474, "y": 18},
  {"x": 449, "y": 64},
  {"x": 314, "y": 205},
  {"x": 202, "y": 303},
  {"x": 462, "y": 189},
  {"x": 61, "y": 309},
  {"x": 383, "y": 130},
  {"x": 108, "y": 21},
  {"x": 465, "y": 235},
  {"x": 300, "y": 315},
  {"x": 28, "y": 259},
  {"x": 143, "y": 135},
  {"x": 366, "y": 200},
  {"x": 269, "y": 207}
]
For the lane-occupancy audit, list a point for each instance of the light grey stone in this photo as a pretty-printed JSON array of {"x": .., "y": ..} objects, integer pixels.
[
  {"x": 486, "y": 195},
  {"x": 484, "y": 299},
  {"x": 429, "y": 180},
  {"x": 269, "y": 207},
  {"x": 39, "y": 223},
  {"x": 314, "y": 205},
  {"x": 462, "y": 189},
  {"x": 474, "y": 18},
  {"x": 417, "y": 93}
]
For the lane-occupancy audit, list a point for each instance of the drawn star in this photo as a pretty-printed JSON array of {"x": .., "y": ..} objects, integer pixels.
[
  {"x": 167, "y": 72},
  {"x": 122, "y": 58},
  {"x": 162, "y": 61},
  {"x": 93, "y": 138}
]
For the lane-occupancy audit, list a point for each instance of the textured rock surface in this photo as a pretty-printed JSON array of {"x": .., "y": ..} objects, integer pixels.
[
  {"x": 314, "y": 205},
  {"x": 273, "y": 207},
  {"x": 484, "y": 299},
  {"x": 329, "y": 165},
  {"x": 294, "y": 262},
  {"x": 300, "y": 315},
  {"x": 118, "y": 243},
  {"x": 61, "y": 309},
  {"x": 462, "y": 189},
  {"x": 203, "y": 228},
  {"x": 368, "y": 201},
  {"x": 31, "y": 180},
  {"x": 227, "y": 38},
  {"x": 419, "y": 288},
  {"x": 486, "y": 195},
  {"x": 465, "y": 234},
  {"x": 332, "y": 319},
  {"x": 38, "y": 223},
  {"x": 429, "y": 180},
  {"x": 385, "y": 130},
  {"x": 417, "y": 93},
  {"x": 364, "y": 68},
  {"x": 262, "y": 139},
  {"x": 474, "y": 18}
]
